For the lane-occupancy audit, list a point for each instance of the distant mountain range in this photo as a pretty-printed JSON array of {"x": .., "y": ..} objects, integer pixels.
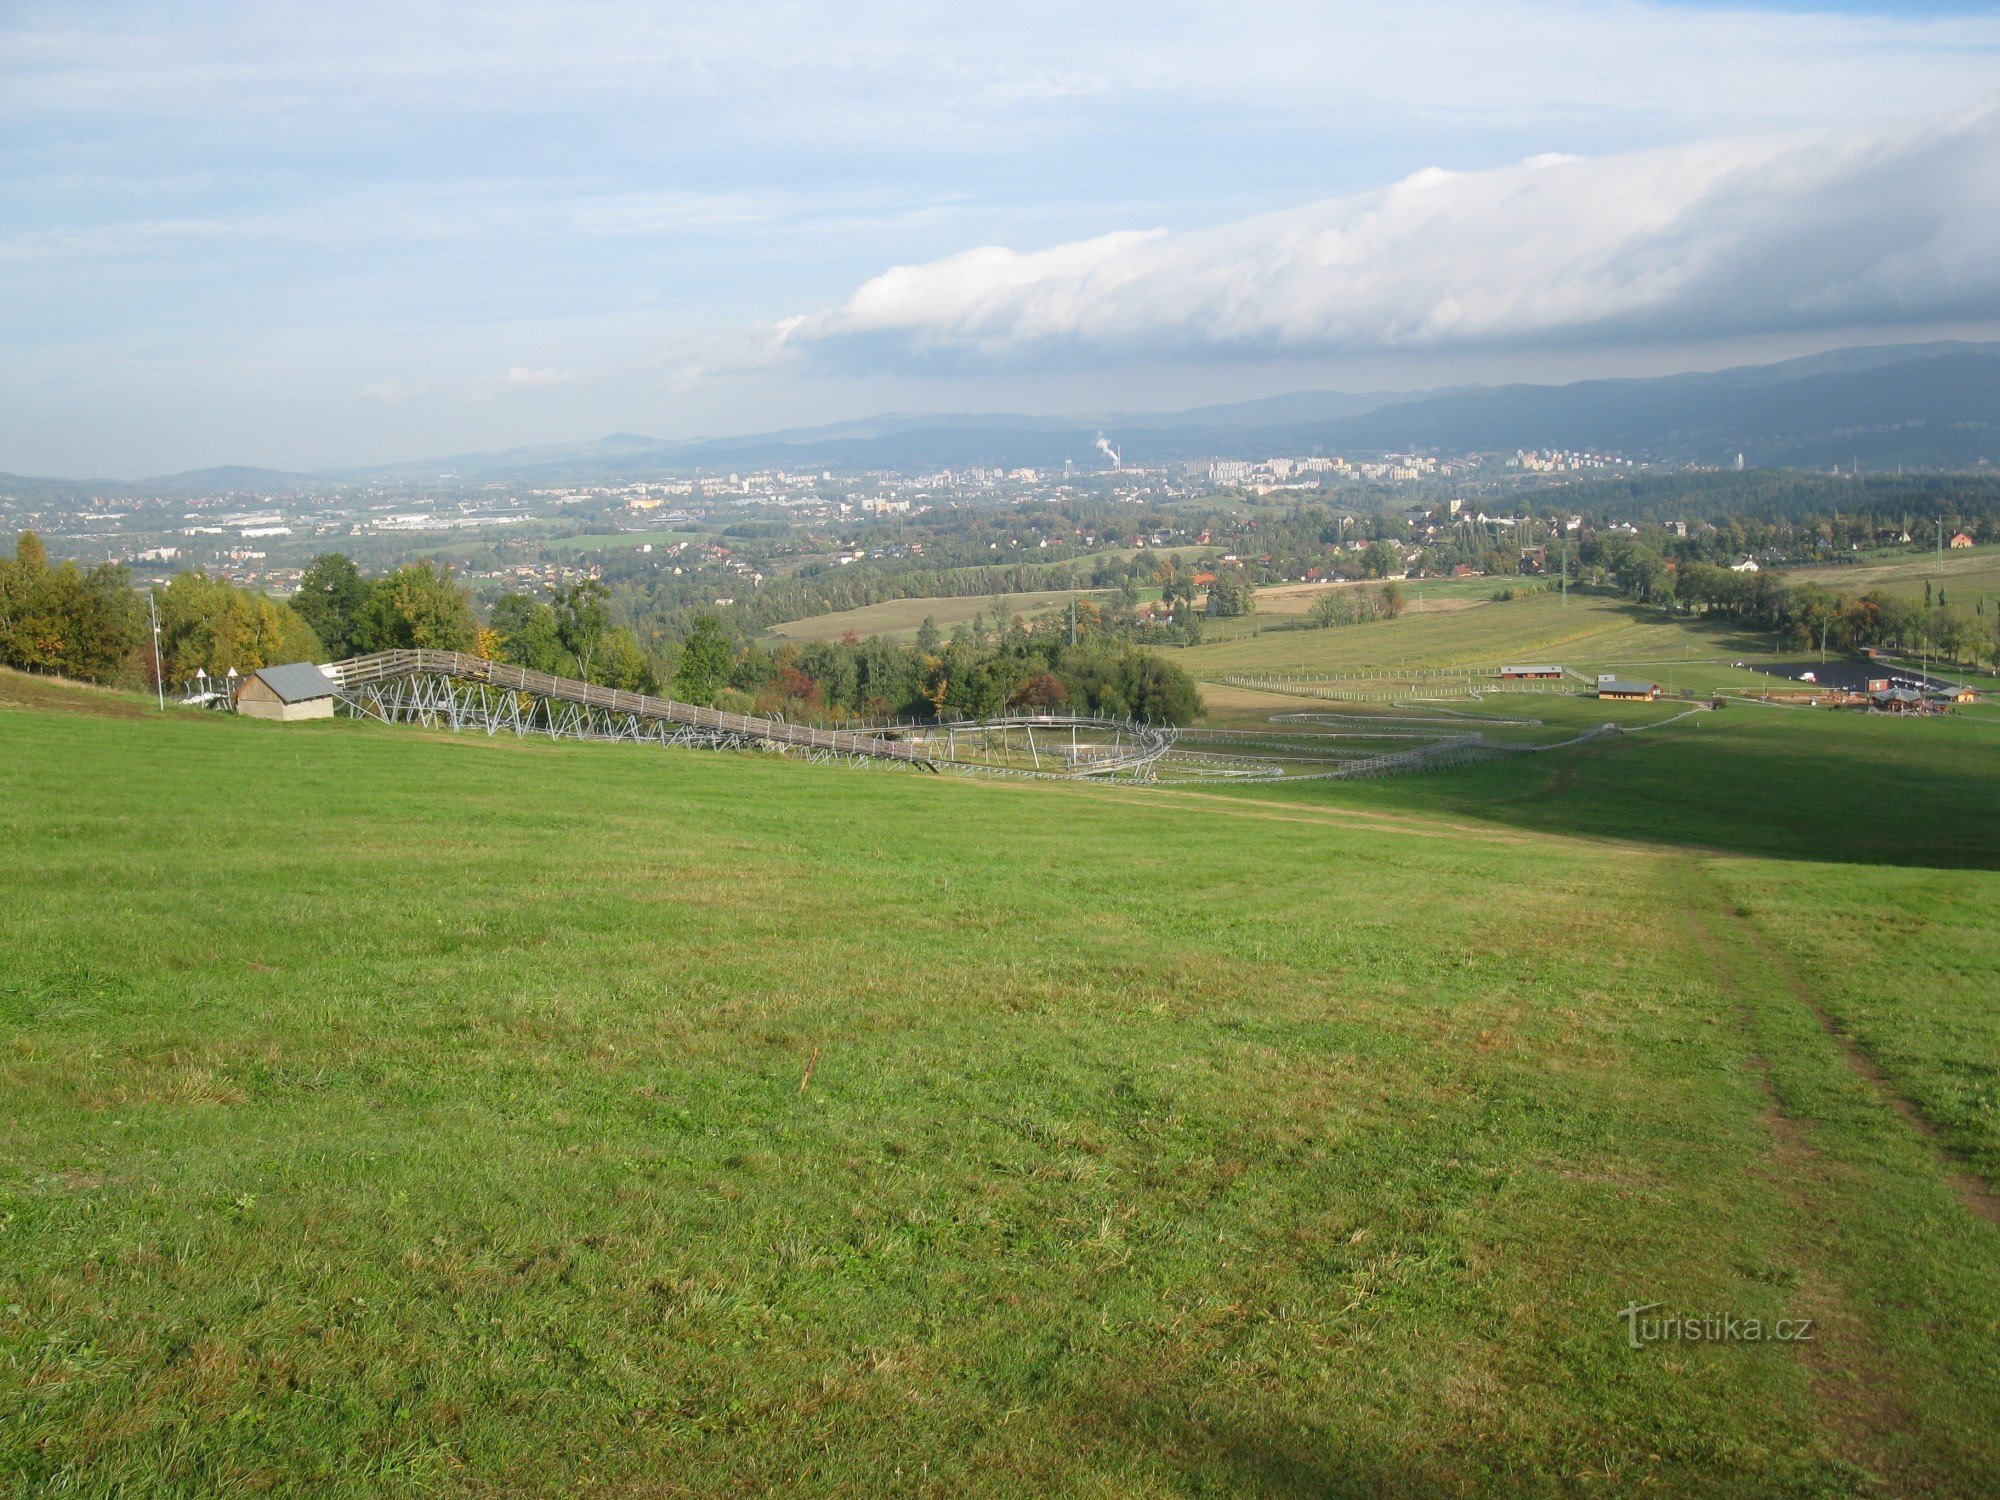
[{"x": 1927, "y": 406}]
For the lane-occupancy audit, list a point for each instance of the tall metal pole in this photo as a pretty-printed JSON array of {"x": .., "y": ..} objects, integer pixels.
[{"x": 159, "y": 673}]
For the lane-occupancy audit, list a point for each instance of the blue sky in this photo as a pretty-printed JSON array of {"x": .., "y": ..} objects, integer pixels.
[{"x": 304, "y": 235}]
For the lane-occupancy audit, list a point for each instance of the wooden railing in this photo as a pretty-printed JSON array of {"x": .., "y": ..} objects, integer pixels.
[{"x": 379, "y": 666}]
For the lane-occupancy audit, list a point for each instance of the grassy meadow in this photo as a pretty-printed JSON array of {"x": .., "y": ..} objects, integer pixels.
[
  {"x": 397, "y": 1113},
  {"x": 1965, "y": 574},
  {"x": 1591, "y": 632},
  {"x": 900, "y": 619}
]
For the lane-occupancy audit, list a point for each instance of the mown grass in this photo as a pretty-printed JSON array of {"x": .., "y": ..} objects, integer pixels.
[
  {"x": 397, "y": 1113},
  {"x": 1816, "y": 784},
  {"x": 1591, "y": 632},
  {"x": 897, "y": 619},
  {"x": 1965, "y": 574}
]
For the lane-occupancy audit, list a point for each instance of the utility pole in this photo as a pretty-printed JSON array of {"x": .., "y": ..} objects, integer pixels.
[{"x": 159, "y": 675}]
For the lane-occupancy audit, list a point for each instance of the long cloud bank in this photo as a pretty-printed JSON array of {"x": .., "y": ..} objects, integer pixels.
[{"x": 1834, "y": 229}]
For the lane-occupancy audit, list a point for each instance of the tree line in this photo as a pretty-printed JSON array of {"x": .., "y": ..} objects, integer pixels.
[
  {"x": 975, "y": 674},
  {"x": 1808, "y": 615},
  {"x": 92, "y": 625}
]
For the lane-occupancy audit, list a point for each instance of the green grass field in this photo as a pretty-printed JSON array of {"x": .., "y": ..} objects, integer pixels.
[
  {"x": 398, "y": 1113},
  {"x": 900, "y": 619},
  {"x": 1591, "y": 632},
  {"x": 623, "y": 541},
  {"x": 1967, "y": 574}
]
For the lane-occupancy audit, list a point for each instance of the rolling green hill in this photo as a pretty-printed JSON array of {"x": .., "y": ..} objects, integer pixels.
[{"x": 399, "y": 1113}]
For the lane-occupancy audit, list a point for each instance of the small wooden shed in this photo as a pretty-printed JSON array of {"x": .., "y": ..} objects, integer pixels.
[{"x": 298, "y": 690}]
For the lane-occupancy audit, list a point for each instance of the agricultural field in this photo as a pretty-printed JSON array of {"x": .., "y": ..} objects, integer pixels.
[
  {"x": 389, "y": 1112},
  {"x": 1430, "y": 594},
  {"x": 624, "y": 541},
  {"x": 1590, "y": 633},
  {"x": 900, "y": 619},
  {"x": 1966, "y": 575}
]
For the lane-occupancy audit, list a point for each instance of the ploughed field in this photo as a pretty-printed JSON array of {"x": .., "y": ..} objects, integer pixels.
[{"x": 397, "y": 1113}]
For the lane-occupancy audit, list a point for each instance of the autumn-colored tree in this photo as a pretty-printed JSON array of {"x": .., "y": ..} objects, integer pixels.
[
  {"x": 1040, "y": 690},
  {"x": 211, "y": 625},
  {"x": 796, "y": 690},
  {"x": 936, "y": 683},
  {"x": 64, "y": 620}
]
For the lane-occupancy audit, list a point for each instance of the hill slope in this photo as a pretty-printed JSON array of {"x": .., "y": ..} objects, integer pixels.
[{"x": 432, "y": 1113}]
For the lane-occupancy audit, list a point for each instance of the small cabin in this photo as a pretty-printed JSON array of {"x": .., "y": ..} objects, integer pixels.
[
  {"x": 1635, "y": 692},
  {"x": 299, "y": 690}
]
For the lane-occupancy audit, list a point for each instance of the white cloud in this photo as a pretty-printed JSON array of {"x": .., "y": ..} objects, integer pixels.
[{"x": 1837, "y": 228}]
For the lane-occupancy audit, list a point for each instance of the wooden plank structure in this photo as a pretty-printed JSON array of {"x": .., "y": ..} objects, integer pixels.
[{"x": 451, "y": 690}]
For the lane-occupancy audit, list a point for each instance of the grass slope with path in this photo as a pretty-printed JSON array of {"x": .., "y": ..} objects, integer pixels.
[{"x": 395, "y": 1113}]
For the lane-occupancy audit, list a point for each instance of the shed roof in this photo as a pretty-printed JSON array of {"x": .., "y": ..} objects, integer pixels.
[
  {"x": 295, "y": 682},
  {"x": 1617, "y": 689},
  {"x": 1542, "y": 669}
]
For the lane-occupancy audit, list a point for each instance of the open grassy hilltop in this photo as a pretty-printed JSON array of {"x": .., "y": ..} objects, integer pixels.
[{"x": 397, "y": 1113}]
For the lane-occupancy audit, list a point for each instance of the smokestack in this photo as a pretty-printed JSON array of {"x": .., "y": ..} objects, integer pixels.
[{"x": 1108, "y": 451}]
